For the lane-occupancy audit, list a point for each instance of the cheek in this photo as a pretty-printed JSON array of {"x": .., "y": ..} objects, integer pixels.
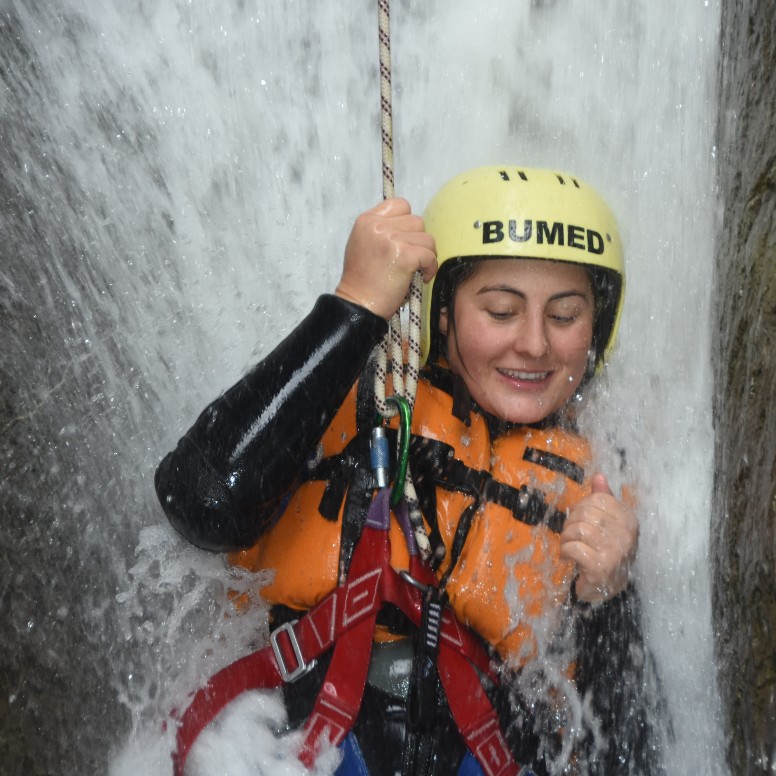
[
  {"x": 477, "y": 342},
  {"x": 575, "y": 346}
]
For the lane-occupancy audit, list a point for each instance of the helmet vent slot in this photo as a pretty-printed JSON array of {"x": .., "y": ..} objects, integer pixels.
[
  {"x": 562, "y": 181},
  {"x": 505, "y": 175}
]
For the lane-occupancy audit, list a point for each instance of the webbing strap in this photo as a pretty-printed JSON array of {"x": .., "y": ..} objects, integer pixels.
[
  {"x": 346, "y": 618},
  {"x": 474, "y": 715},
  {"x": 339, "y": 699},
  {"x": 258, "y": 670},
  {"x": 293, "y": 650},
  {"x": 435, "y": 459}
]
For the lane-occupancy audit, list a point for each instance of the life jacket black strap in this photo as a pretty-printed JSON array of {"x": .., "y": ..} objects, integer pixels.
[
  {"x": 349, "y": 477},
  {"x": 555, "y": 463},
  {"x": 529, "y": 505},
  {"x": 338, "y": 472},
  {"x": 348, "y": 474}
]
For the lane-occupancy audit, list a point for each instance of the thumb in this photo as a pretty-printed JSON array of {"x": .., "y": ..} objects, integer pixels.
[{"x": 600, "y": 484}]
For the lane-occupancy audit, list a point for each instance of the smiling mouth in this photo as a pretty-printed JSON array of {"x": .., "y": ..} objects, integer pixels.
[{"x": 534, "y": 377}]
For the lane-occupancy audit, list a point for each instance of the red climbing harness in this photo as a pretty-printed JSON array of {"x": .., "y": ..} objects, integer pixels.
[{"x": 345, "y": 620}]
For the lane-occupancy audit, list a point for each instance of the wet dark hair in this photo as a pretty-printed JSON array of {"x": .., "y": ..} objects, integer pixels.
[
  {"x": 607, "y": 289},
  {"x": 450, "y": 277},
  {"x": 606, "y": 285}
]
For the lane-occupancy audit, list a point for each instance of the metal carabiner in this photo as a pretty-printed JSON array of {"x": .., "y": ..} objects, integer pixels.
[{"x": 405, "y": 425}]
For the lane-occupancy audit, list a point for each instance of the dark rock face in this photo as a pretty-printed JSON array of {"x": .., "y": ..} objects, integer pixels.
[{"x": 744, "y": 524}]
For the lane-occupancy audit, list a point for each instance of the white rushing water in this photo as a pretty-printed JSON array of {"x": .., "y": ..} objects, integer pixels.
[{"x": 192, "y": 169}]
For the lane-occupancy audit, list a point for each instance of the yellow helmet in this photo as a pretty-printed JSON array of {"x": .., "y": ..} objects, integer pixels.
[{"x": 519, "y": 212}]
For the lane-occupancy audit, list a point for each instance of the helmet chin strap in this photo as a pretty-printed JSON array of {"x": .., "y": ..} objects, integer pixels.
[{"x": 404, "y": 375}]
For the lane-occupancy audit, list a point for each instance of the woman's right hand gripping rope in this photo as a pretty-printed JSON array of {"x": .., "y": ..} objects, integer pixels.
[{"x": 387, "y": 245}]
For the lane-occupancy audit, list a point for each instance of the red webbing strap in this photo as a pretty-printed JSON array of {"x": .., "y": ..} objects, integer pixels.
[
  {"x": 347, "y": 614},
  {"x": 339, "y": 699},
  {"x": 474, "y": 714},
  {"x": 347, "y": 608},
  {"x": 409, "y": 599},
  {"x": 297, "y": 645},
  {"x": 346, "y": 619},
  {"x": 258, "y": 670}
]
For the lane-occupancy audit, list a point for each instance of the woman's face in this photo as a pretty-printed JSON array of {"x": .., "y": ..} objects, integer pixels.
[{"x": 520, "y": 335}]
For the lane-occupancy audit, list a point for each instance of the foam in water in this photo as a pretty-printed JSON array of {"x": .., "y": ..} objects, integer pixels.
[{"x": 180, "y": 179}]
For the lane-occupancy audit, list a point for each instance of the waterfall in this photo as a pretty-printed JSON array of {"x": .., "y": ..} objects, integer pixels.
[{"x": 179, "y": 180}]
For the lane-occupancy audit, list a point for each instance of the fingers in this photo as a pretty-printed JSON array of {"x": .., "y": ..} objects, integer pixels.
[
  {"x": 599, "y": 520},
  {"x": 387, "y": 246},
  {"x": 393, "y": 206},
  {"x": 394, "y": 222},
  {"x": 600, "y": 536}
]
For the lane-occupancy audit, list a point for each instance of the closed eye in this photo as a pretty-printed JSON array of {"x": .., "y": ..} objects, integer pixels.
[
  {"x": 558, "y": 318},
  {"x": 501, "y": 315}
]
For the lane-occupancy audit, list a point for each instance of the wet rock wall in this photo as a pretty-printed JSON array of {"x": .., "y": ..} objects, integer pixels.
[{"x": 744, "y": 523}]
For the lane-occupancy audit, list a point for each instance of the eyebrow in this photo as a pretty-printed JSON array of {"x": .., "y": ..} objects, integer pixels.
[{"x": 517, "y": 292}]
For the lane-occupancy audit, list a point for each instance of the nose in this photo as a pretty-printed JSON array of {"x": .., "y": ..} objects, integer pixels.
[{"x": 532, "y": 336}]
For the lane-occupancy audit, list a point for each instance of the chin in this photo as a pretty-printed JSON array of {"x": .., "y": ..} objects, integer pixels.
[
  {"x": 525, "y": 412},
  {"x": 525, "y": 418},
  {"x": 513, "y": 414}
]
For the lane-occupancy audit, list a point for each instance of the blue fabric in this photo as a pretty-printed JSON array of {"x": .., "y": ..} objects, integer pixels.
[
  {"x": 470, "y": 766},
  {"x": 352, "y": 761}
]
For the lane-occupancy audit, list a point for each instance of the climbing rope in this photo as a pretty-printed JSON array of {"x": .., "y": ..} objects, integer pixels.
[
  {"x": 386, "y": 113},
  {"x": 404, "y": 375}
]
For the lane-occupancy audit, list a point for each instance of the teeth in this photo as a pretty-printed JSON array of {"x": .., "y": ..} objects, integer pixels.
[{"x": 525, "y": 375}]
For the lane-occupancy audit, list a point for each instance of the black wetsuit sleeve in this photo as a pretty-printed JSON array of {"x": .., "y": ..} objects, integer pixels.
[
  {"x": 223, "y": 484},
  {"x": 617, "y": 675}
]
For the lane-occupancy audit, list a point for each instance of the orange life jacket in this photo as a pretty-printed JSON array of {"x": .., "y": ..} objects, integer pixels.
[{"x": 518, "y": 487}]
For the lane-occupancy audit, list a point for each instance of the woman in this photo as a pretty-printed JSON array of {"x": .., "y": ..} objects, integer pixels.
[{"x": 523, "y": 272}]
